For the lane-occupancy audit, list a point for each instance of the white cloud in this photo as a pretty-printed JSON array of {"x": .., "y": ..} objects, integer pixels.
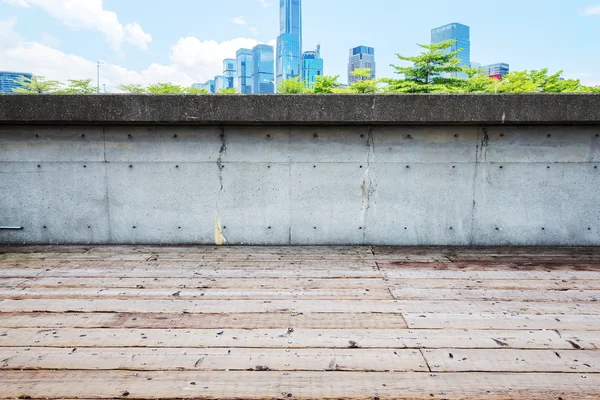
[
  {"x": 239, "y": 21},
  {"x": 591, "y": 10},
  {"x": 135, "y": 35},
  {"x": 50, "y": 40},
  {"x": 253, "y": 30},
  {"x": 191, "y": 60},
  {"x": 90, "y": 14},
  {"x": 265, "y": 3}
]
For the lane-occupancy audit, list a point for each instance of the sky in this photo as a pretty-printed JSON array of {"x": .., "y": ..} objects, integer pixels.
[{"x": 185, "y": 41}]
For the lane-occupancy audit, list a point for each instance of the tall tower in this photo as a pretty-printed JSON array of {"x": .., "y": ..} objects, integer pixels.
[
  {"x": 462, "y": 35},
  {"x": 361, "y": 57},
  {"x": 289, "y": 41}
]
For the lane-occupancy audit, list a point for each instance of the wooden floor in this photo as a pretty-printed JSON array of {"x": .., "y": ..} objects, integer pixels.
[{"x": 299, "y": 323}]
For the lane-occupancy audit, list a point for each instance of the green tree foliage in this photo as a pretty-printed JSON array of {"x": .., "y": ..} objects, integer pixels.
[
  {"x": 538, "y": 81},
  {"x": 365, "y": 84},
  {"x": 429, "y": 71},
  {"x": 165, "y": 88},
  {"x": 83, "y": 86},
  {"x": 292, "y": 86},
  {"x": 326, "y": 84},
  {"x": 133, "y": 89},
  {"x": 196, "y": 91},
  {"x": 227, "y": 91},
  {"x": 36, "y": 85}
]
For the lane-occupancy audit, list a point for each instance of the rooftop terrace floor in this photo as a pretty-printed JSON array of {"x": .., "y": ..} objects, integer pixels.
[{"x": 144, "y": 322}]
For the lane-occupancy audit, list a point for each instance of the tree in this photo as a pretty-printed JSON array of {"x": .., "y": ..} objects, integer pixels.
[
  {"x": 292, "y": 86},
  {"x": 165, "y": 88},
  {"x": 83, "y": 86},
  {"x": 430, "y": 70},
  {"x": 197, "y": 91},
  {"x": 364, "y": 84},
  {"x": 36, "y": 85},
  {"x": 538, "y": 81},
  {"x": 133, "y": 89},
  {"x": 326, "y": 84}
]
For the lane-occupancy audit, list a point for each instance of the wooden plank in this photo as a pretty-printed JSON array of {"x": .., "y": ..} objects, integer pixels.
[
  {"x": 510, "y": 360},
  {"x": 194, "y": 359},
  {"x": 185, "y": 265},
  {"x": 501, "y": 321},
  {"x": 296, "y": 385},
  {"x": 502, "y": 284},
  {"x": 582, "y": 339},
  {"x": 304, "y": 306},
  {"x": 192, "y": 273},
  {"x": 198, "y": 283},
  {"x": 481, "y": 274},
  {"x": 203, "y": 321},
  {"x": 491, "y": 294},
  {"x": 182, "y": 294},
  {"x": 281, "y": 338}
]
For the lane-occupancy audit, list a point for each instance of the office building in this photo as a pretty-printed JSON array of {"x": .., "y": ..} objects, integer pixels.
[
  {"x": 263, "y": 69},
  {"x": 361, "y": 57},
  {"x": 289, "y": 41},
  {"x": 461, "y": 34},
  {"x": 244, "y": 71},
  {"x": 8, "y": 80},
  {"x": 223, "y": 82},
  {"x": 497, "y": 70},
  {"x": 312, "y": 66}
]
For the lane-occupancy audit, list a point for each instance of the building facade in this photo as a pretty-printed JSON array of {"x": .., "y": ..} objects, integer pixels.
[
  {"x": 8, "y": 80},
  {"x": 461, "y": 34},
  {"x": 289, "y": 41},
  {"x": 209, "y": 86},
  {"x": 361, "y": 57},
  {"x": 244, "y": 80},
  {"x": 498, "y": 70},
  {"x": 223, "y": 82},
  {"x": 312, "y": 66},
  {"x": 263, "y": 69}
]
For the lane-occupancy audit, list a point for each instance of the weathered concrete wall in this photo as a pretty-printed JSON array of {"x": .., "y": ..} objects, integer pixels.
[{"x": 309, "y": 181}]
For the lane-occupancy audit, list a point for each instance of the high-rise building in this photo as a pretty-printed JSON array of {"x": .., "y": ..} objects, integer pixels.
[
  {"x": 244, "y": 71},
  {"x": 361, "y": 57},
  {"x": 312, "y": 66},
  {"x": 462, "y": 35},
  {"x": 289, "y": 41},
  {"x": 223, "y": 82},
  {"x": 8, "y": 80},
  {"x": 497, "y": 70},
  {"x": 263, "y": 69}
]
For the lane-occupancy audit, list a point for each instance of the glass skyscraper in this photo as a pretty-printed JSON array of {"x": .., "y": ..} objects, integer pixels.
[
  {"x": 462, "y": 35},
  {"x": 312, "y": 66},
  {"x": 289, "y": 41},
  {"x": 497, "y": 70},
  {"x": 244, "y": 71},
  {"x": 361, "y": 57},
  {"x": 7, "y": 80},
  {"x": 263, "y": 69}
]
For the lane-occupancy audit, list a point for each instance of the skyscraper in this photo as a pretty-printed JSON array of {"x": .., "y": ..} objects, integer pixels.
[
  {"x": 462, "y": 35},
  {"x": 361, "y": 57},
  {"x": 289, "y": 41},
  {"x": 312, "y": 66},
  {"x": 8, "y": 80},
  {"x": 263, "y": 68},
  {"x": 497, "y": 70},
  {"x": 244, "y": 71}
]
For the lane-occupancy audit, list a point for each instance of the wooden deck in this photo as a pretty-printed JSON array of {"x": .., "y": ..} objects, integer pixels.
[{"x": 299, "y": 323}]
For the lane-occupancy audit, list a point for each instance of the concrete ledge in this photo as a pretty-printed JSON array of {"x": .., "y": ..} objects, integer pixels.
[{"x": 528, "y": 109}]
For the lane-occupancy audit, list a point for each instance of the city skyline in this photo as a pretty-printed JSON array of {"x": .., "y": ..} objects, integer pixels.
[{"x": 136, "y": 50}]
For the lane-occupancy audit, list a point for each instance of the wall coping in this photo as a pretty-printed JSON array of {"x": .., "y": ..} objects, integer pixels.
[{"x": 435, "y": 109}]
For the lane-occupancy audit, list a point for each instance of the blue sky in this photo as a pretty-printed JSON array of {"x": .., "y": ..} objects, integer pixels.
[{"x": 183, "y": 40}]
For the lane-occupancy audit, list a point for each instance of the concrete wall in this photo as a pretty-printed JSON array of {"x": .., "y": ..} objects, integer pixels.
[{"x": 301, "y": 182}]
